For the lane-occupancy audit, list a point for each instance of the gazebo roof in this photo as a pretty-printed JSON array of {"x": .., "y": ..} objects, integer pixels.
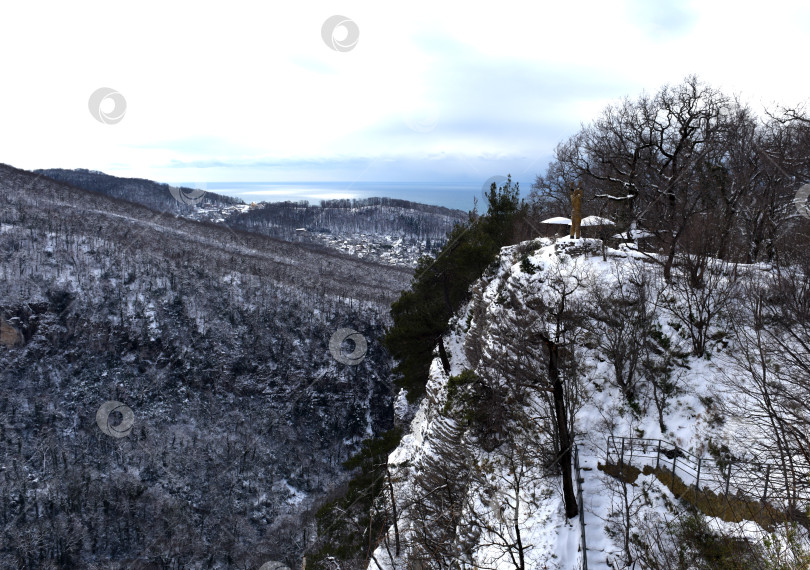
[
  {"x": 587, "y": 221},
  {"x": 558, "y": 220},
  {"x": 596, "y": 221}
]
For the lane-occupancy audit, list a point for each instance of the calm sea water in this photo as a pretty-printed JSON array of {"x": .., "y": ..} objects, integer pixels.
[{"x": 450, "y": 195}]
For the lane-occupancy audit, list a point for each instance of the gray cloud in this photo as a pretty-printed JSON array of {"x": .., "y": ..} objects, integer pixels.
[
  {"x": 663, "y": 19},
  {"x": 439, "y": 167},
  {"x": 495, "y": 116},
  {"x": 507, "y": 100}
]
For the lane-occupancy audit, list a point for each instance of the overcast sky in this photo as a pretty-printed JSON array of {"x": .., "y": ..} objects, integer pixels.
[{"x": 431, "y": 91}]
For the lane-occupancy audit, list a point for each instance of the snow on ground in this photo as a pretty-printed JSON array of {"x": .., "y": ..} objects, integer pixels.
[{"x": 555, "y": 541}]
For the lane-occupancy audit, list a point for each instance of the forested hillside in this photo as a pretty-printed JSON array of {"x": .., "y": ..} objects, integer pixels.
[
  {"x": 637, "y": 398},
  {"x": 693, "y": 166},
  {"x": 151, "y": 194},
  {"x": 217, "y": 340},
  {"x": 376, "y": 216},
  {"x": 388, "y": 230},
  {"x": 686, "y": 409}
]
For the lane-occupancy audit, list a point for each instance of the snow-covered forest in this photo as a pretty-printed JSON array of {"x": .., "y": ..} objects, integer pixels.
[
  {"x": 381, "y": 229},
  {"x": 185, "y": 390},
  {"x": 387, "y": 230},
  {"x": 478, "y": 481},
  {"x": 637, "y": 398},
  {"x": 151, "y": 194},
  {"x": 217, "y": 340}
]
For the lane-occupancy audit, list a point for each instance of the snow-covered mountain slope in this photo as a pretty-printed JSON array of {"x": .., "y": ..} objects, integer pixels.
[
  {"x": 384, "y": 230},
  {"x": 476, "y": 482},
  {"x": 153, "y": 195},
  {"x": 219, "y": 342}
]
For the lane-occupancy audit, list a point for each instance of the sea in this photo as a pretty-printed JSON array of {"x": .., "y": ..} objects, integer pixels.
[{"x": 457, "y": 195}]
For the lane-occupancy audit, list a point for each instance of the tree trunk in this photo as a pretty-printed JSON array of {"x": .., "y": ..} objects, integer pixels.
[
  {"x": 443, "y": 356},
  {"x": 571, "y": 509},
  {"x": 668, "y": 264},
  {"x": 394, "y": 508}
]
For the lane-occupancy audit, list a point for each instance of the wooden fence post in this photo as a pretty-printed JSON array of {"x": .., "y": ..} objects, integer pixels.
[
  {"x": 767, "y": 477},
  {"x": 697, "y": 481},
  {"x": 674, "y": 459},
  {"x": 580, "y": 503},
  {"x": 728, "y": 477},
  {"x": 658, "y": 455}
]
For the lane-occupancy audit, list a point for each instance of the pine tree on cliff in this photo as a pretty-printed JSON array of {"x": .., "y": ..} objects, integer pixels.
[{"x": 441, "y": 285}]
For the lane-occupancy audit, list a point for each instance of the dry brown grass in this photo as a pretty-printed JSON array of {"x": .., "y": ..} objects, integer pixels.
[{"x": 730, "y": 508}]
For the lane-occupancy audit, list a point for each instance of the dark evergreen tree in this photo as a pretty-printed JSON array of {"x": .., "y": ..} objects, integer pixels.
[{"x": 441, "y": 285}]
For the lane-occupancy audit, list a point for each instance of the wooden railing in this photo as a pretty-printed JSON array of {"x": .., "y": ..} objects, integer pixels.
[
  {"x": 763, "y": 482},
  {"x": 583, "y": 545}
]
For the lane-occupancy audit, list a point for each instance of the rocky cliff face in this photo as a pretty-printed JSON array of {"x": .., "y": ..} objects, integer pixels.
[{"x": 477, "y": 482}]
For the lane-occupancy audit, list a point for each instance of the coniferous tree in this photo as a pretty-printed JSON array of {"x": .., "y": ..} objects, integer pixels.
[{"x": 441, "y": 286}]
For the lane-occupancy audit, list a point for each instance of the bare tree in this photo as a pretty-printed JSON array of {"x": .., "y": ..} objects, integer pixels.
[
  {"x": 550, "y": 319},
  {"x": 505, "y": 491},
  {"x": 772, "y": 347},
  {"x": 691, "y": 165},
  {"x": 702, "y": 289},
  {"x": 621, "y": 320}
]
